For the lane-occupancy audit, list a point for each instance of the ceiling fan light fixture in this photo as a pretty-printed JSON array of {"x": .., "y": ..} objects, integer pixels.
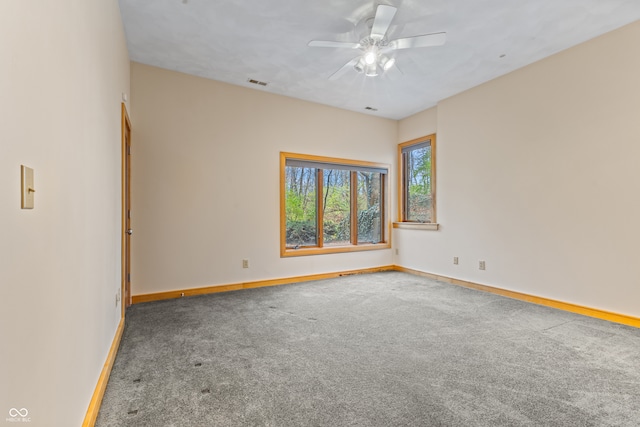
[
  {"x": 386, "y": 62},
  {"x": 371, "y": 56},
  {"x": 371, "y": 70},
  {"x": 359, "y": 67}
]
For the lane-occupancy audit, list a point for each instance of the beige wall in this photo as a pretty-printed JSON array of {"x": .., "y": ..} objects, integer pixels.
[
  {"x": 206, "y": 178},
  {"x": 421, "y": 124},
  {"x": 538, "y": 175},
  {"x": 63, "y": 67}
]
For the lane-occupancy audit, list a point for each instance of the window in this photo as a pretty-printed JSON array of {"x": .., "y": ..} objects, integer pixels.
[
  {"x": 417, "y": 183},
  {"x": 331, "y": 205}
]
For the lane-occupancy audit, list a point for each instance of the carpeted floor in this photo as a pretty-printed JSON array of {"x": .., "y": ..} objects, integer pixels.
[{"x": 384, "y": 349}]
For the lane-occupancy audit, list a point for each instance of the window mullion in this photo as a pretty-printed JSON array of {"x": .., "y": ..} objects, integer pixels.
[{"x": 320, "y": 207}]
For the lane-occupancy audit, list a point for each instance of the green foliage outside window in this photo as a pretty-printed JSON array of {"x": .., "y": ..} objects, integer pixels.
[
  {"x": 418, "y": 179},
  {"x": 301, "y": 203}
]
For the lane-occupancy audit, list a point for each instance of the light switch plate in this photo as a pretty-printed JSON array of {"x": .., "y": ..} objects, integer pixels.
[{"x": 28, "y": 188}]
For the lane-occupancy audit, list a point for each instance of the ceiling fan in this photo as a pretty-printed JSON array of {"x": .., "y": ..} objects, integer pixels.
[{"x": 377, "y": 51}]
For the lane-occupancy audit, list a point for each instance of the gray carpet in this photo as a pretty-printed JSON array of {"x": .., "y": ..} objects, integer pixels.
[{"x": 384, "y": 349}]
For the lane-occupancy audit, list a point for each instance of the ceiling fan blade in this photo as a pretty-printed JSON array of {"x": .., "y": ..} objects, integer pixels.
[
  {"x": 426, "y": 40},
  {"x": 325, "y": 43},
  {"x": 384, "y": 16},
  {"x": 344, "y": 69}
]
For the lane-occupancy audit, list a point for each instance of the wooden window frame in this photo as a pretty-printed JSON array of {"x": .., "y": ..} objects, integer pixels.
[
  {"x": 402, "y": 186},
  {"x": 385, "y": 224}
]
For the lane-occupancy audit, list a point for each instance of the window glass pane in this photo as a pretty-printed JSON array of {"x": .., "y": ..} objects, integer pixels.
[
  {"x": 369, "y": 212},
  {"x": 419, "y": 200},
  {"x": 336, "y": 201},
  {"x": 300, "y": 206}
]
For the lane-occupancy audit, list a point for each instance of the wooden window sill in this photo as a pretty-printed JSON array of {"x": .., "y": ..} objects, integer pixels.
[
  {"x": 417, "y": 225},
  {"x": 334, "y": 249}
]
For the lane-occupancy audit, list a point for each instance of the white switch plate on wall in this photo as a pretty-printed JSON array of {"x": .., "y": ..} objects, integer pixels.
[{"x": 26, "y": 179}]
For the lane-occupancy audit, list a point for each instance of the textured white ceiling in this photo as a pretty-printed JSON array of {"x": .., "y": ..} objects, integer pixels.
[{"x": 236, "y": 40}]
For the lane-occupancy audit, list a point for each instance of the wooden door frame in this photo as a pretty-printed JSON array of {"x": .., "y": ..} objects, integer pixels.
[{"x": 126, "y": 255}]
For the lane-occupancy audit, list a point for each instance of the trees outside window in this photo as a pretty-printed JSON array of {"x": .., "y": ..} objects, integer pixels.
[
  {"x": 301, "y": 206},
  {"x": 369, "y": 212},
  {"x": 336, "y": 204},
  {"x": 331, "y": 205}
]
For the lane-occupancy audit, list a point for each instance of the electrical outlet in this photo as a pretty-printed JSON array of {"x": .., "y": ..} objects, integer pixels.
[
  {"x": 397, "y": 251},
  {"x": 482, "y": 265},
  {"x": 245, "y": 263},
  {"x": 455, "y": 260}
]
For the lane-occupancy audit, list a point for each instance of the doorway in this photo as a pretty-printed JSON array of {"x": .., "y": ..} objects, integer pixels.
[{"x": 127, "y": 231}]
